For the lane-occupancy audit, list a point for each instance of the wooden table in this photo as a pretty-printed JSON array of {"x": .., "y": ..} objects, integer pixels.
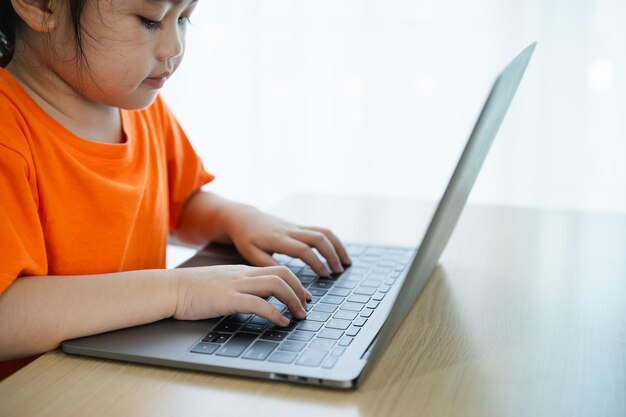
[{"x": 525, "y": 316}]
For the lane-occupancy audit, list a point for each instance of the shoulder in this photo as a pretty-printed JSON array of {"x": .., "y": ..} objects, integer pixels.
[
  {"x": 14, "y": 125},
  {"x": 13, "y": 130}
]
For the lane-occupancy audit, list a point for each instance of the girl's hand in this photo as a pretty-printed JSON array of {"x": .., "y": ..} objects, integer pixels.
[
  {"x": 214, "y": 291},
  {"x": 258, "y": 235}
]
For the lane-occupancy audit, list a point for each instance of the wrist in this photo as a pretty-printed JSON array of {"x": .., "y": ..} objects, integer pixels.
[
  {"x": 233, "y": 215},
  {"x": 171, "y": 290}
]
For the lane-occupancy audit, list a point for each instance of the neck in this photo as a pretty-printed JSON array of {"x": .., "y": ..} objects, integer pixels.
[{"x": 85, "y": 118}]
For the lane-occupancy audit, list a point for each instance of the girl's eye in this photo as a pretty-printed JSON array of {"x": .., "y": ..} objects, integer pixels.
[{"x": 150, "y": 24}]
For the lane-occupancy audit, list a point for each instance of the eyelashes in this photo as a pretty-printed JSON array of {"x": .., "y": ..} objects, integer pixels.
[
  {"x": 158, "y": 24},
  {"x": 151, "y": 24}
]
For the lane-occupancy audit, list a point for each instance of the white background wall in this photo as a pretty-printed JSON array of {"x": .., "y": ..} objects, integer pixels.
[{"x": 378, "y": 96}]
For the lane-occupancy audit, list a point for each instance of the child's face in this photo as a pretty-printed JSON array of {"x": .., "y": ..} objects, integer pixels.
[{"x": 130, "y": 46}]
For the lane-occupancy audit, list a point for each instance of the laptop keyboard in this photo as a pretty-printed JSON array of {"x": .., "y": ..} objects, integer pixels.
[{"x": 339, "y": 309}]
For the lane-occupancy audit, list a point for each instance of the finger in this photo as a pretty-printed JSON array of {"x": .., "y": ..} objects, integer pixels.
[
  {"x": 341, "y": 250},
  {"x": 267, "y": 285},
  {"x": 297, "y": 249},
  {"x": 323, "y": 245},
  {"x": 257, "y": 256},
  {"x": 292, "y": 280},
  {"x": 247, "y": 303}
]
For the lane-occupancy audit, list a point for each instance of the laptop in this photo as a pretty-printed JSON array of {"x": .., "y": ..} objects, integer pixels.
[{"x": 352, "y": 317}]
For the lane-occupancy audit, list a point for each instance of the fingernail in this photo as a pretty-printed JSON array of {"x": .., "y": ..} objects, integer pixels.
[
  {"x": 309, "y": 295},
  {"x": 302, "y": 312},
  {"x": 284, "y": 320}
]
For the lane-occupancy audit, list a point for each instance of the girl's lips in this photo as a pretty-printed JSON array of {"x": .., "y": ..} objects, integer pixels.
[{"x": 158, "y": 81}]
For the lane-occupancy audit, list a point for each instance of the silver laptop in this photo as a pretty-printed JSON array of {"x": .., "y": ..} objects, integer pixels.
[{"x": 352, "y": 316}]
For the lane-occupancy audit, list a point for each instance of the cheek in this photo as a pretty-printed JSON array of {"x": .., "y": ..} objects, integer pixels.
[{"x": 119, "y": 68}]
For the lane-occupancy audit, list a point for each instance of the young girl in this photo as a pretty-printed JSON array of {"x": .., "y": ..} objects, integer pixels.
[{"x": 95, "y": 172}]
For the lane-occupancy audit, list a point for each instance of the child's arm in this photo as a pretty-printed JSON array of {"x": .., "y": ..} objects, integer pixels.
[
  {"x": 208, "y": 217},
  {"x": 38, "y": 313}
]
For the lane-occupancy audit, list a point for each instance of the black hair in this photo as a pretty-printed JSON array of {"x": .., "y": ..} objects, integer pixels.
[{"x": 10, "y": 23}]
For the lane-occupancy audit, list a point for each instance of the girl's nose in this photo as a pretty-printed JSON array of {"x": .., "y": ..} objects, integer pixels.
[{"x": 172, "y": 44}]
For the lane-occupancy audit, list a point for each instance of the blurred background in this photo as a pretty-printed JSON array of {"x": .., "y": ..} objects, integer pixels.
[{"x": 283, "y": 97}]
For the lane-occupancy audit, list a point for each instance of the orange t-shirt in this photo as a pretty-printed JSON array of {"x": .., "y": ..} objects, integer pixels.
[{"x": 71, "y": 206}]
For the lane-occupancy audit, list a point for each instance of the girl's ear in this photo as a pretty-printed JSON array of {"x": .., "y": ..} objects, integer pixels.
[{"x": 39, "y": 15}]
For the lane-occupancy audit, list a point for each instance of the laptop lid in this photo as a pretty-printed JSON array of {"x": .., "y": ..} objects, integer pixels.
[{"x": 454, "y": 198}]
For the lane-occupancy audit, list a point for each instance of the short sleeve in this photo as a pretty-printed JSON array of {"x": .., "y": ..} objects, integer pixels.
[
  {"x": 21, "y": 237},
  {"x": 186, "y": 173}
]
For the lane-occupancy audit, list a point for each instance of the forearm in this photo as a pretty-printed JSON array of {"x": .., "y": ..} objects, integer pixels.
[
  {"x": 208, "y": 217},
  {"x": 38, "y": 313}
]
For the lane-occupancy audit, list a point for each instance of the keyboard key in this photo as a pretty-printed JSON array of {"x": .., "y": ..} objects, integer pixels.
[
  {"x": 260, "y": 350},
  {"x": 317, "y": 291},
  {"x": 340, "y": 292},
  {"x": 314, "y": 299},
  {"x": 365, "y": 291},
  {"x": 311, "y": 326},
  {"x": 236, "y": 345},
  {"x": 345, "y": 284},
  {"x": 296, "y": 262},
  {"x": 329, "y": 362},
  {"x": 360, "y": 322},
  {"x": 239, "y": 318},
  {"x": 259, "y": 320},
  {"x": 351, "y": 306},
  {"x": 358, "y": 298},
  {"x": 353, "y": 278},
  {"x": 274, "y": 335},
  {"x": 374, "y": 251},
  {"x": 227, "y": 327},
  {"x": 378, "y": 296},
  {"x": 292, "y": 346},
  {"x": 292, "y": 324},
  {"x": 324, "y": 284},
  {"x": 322, "y": 344},
  {"x": 332, "y": 299},
  {"x": 338, "y": 351},
  {"x": 301, "y": 336},
  {"x": 353, "y": 331},
  {"x": 318, "y": 316},
  {"x": 306, "y": 279},
  {"x": 306, "y": 270},
  {"x": 326, "y": 308},
  {"x": 346, "y": 315},
  {"x": 281, "y": 258},
  {"x": 217, "y": 337},
  {"x": 372, "y": 283},
  {"x": 253, "y": 328},
  {"x": 372, "y": 304},
  {"x": 283, "y": 357},
  {"x": 338, "y": 324},
  {"x": 311, "y": 357},
  {"x": 206, "y": 348},
  {"x": 355, "y": 250},
  {"x": 330, "y": 334},
  {"x": 211, "y": 337},
  {"x": 358, "y": 270},
  {"x": 278, "y": 305},
  {"x": 385, "y": 288},
  {"x": 345, "y": 341},
  {"x": 366, "y": 313}
]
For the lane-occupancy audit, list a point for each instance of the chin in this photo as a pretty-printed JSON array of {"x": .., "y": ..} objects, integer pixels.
[{"x": 139, "y": 101}]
